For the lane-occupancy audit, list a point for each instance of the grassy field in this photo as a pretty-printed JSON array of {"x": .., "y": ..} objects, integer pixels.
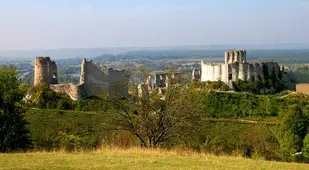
[{"x": 136, "y": 159}]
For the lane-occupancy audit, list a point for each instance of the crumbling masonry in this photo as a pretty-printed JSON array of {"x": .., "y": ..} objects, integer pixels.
[
  {"x": 95, "y": 79},
  {"x": 236, "y": 67},
  {"x": 159, "y": 82}
]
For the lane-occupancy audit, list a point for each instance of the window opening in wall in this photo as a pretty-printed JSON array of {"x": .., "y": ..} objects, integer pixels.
[{"x": 230, "y": 76}]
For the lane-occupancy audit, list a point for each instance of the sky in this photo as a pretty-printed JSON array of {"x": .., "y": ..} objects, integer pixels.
[{"x": 53, "y": 24}]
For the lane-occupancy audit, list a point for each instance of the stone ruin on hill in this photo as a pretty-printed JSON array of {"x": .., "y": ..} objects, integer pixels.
[
  {"x": 94, "y": 79},
  {"x": 159, "y": 82},
  {"x": 236, "y": 67}
]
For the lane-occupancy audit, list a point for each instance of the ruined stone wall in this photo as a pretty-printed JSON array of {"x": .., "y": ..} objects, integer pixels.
[
  {"x": 243, "y": 71},
  {"x": 143, "y": 91},
  {"x": 236, "y": 68},
  {"x": 232, "y": 56},
  {"x": 250, "y": 74},
  {"x": 161, "y": 80},
  {"x": 217, "y": 72},
  {"x": 98, "y": 79},
  {"x": 225, "y": 73},
  {"x": 273, "y": 67},
  {"x": 76, "y": 92},
  {"x": 45, "y": 71},
  {"x": 235, "y": 71},
  {"x": 210, "y": 72},
  {"x": 94, "y": 78},
  {"x": 118, "y": 83}
]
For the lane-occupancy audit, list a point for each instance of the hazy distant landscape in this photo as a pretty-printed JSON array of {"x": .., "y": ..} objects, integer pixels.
[
  {"x": 255, "y": 51},
  {"x": 154, "y": 84}
]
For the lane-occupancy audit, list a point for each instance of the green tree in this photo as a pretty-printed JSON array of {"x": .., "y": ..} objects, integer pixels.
[
  {"x": 305, "y": 149},
  {"x": 293, "y": 127},
  {"x": 13, "y": 131},
  {"x": 155, "y": 121}
]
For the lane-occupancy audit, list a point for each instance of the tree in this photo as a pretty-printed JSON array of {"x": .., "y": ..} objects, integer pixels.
[
  {"x": 305, "y": 149},
  {"x": 293, "y": 129},
  {"x": 13, "y": 131},
  {"x": 155, "y": 121}
]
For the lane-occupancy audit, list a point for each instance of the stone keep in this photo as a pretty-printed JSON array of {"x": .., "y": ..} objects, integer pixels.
[
  {"x": 235, "y": 68},
  {"x": 45, "y": 71}
]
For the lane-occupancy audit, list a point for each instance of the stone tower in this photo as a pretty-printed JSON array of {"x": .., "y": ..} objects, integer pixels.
[{"x": 45, "y": 71}]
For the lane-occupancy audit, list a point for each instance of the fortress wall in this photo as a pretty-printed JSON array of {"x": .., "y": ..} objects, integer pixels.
[
  {"x": 83, "y": 72},
  {"x": 211, "y": 72},
  {"x": 143, "y": 91},
  {"x": 225, "y": 73},
  {"x": 235, "y": 71},
  {"x": 226, "y": 57},
  {"x": 231, "y": 57},
  {"x": 236, "y": 56},
  {"x": 93, "y": 73},
  {"x": 251, "y": 72},
  {"x": 94, "y": 78},
  {"x": 161, "y": 80},
  {"x": 241, "y": 57},
  {"x": 204, "y": 71},
  {"x": 76, "y": 92},
  {"x": 118, "y": 83},
  {"x": 273, "y": 66},
  {"x": 217, "y": 72},
  {"x": 261, "y": 70},
  {"x": 256, "y": 70},
  {"x": 243, "y": 71}
]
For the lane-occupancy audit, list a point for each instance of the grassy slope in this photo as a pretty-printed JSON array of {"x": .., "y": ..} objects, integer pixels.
[
  {"x": 46, "y": 125},
  {"x": 135, "y": 159}
]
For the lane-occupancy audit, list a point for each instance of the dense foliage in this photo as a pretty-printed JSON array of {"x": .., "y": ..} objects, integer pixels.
[{"x": 13, "y": 132}]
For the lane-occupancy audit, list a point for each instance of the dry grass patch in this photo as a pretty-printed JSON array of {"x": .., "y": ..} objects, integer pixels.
[{"x": 135, "y": 158}]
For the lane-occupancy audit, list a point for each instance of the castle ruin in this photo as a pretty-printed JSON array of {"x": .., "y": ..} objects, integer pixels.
[
  {"x": 45, "y": 71},
  {"x": 235, "y": 68},
  {"x": 159, "y": 82},
  {"x": 94, "y": 79}
]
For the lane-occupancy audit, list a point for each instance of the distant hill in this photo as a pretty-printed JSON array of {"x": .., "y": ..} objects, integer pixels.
[{"x": 167, "y": 51}]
